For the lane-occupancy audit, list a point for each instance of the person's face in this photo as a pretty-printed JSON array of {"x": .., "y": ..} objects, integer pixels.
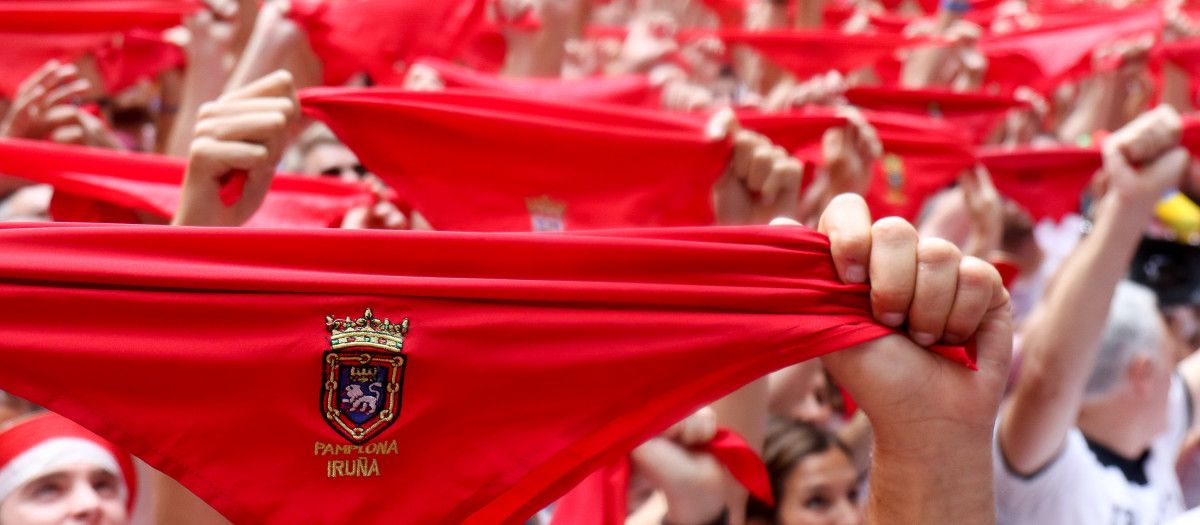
[
  {"x": 821, "y": 490},
  {"x": 77, "y": 493},
  {"x": 334, "y": 160}
]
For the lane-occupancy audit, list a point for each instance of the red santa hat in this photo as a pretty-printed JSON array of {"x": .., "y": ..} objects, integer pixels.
[{"x": 38, "y": 445}]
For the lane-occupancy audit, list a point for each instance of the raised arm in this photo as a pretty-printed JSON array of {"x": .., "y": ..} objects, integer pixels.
[
  {"x": 243, "y": 131},
  {"x": 933, "y": 419},
  {"x": 1061, "y": 337}
]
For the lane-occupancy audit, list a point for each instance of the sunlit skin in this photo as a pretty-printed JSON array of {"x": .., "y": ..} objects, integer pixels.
[
  {"x": 76, "y": 493},
  {"x": 821, "y": 490}
]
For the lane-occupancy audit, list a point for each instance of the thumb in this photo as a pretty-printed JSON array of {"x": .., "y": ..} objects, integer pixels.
[
  {"x": 994, "y": 337},
  {"x": 723, "y": 124}
]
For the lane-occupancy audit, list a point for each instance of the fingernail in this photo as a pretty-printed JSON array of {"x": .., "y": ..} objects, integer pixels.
[
  {"x": 893, "y": 319},
  {"x": 856, "y": 274},
  {"x": 924, "y": 338},
  {"x": 952, "y": 339}
]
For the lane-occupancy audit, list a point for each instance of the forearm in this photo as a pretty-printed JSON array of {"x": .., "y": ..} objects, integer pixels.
[
  {"x": 939, "y": 482},
  {"x": 1092, "y": 110},
  {"x": 1061, "y": 335}
]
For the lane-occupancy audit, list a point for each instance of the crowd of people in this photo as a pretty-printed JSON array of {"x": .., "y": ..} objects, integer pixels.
[{"x": 1009, "y": 184}]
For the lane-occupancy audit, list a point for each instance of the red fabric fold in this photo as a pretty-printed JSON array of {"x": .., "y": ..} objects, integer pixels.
[
  {"x": 977, "y": 113},
  {"x": 382, "y": 37},
  {"x": 633, "y": 90},
  {"x": 513, "y": 343},
  {"x": 1047, "y": 182},
  {"x": 808, "y": 53},
  {"x": 75, "y": 16},
  {"x": 472, "y": 161},
  {"x": 98, "y": 185},
  {"x": 1064, "y": 41},
  {"x": 921, "y": 155}
]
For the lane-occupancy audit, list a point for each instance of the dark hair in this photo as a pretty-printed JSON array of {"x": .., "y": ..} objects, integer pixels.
[{"x": 787, "y": 444}]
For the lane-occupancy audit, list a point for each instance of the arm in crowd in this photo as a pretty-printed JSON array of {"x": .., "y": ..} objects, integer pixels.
[{"x": 1060, "y": 339}]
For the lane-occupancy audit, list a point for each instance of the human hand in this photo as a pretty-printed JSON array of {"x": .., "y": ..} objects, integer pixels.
[
  {"x": 693, "y": 482},
  {"x": 242, "y": 131},
  {"x": 1151, "y": 141},
  {"x": 849, "y": 151},
  {"x": 67, "y": 124},
  {"x": 51, "y": 85},
  {"x": 382, "y": 215},
  {"x": 928, "y": 413},
  {"x": 761, "y": 181},
  {"x": 650, "y": 40},
  {"x": 986, "y": 210}
]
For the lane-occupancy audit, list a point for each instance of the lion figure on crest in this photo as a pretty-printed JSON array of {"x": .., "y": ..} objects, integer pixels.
[{"x": 359, "y": 401}]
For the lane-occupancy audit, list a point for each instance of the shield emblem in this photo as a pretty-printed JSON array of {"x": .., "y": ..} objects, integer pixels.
[{"x": 363, "y": 376}]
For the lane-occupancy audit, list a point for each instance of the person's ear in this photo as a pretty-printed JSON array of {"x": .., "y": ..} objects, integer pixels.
[{"x": 1140, "y": 374}]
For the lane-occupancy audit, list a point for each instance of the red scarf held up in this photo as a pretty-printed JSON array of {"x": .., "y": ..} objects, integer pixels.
[
  {"x": 1061, "y": 44},
  {"x": 472, "y": 161},
  {"x": 123, "y": 34},
  {"x": 1045, "y": 181},
  {"x": 510, "y": 365},
  {"x": 920, "y": 155},
  {"x": 382, "y": 37},
  {"x": 93, "y": 16},
  {"x": 631, "y": 90},
  {"x": 99, "y": 185},
  {"x": 978, "y": 113},
  {"x": 808, "y": 53}
]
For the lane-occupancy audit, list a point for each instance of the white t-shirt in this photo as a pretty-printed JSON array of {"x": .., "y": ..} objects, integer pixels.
[{"x": 1076, "y": 488}]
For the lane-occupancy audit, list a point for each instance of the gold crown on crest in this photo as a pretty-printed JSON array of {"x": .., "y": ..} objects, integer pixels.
[
  {"x": 366, "y": 331},
  {"x": 544, "y": 205}
]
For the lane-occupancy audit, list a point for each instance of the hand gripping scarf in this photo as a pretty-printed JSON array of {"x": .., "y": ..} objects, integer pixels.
[
  {"x": 631, "y": 90},
  {"x": 920, "y": 155},
  {"x": 33, "y": 32},
  {"x": 334, "y": 376},
  {"x": 808, "y": 53},
  {"x": 490, "y": 162},
  {"x": 1045, "y": 181},
  {"x": 100, "y": 185},
  {"x": 382, "y": 37}
]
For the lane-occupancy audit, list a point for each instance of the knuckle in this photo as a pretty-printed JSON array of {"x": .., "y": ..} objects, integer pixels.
[
  {"x": 893, "y": 229},
  {"x": 975, "y": 273},
  {"x": 937, "y": 251}
]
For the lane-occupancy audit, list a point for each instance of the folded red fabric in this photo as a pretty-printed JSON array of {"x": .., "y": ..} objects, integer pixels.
[
  {"x": 99, "y": 185},
  {"x": 473, "y": 161},
  {"x": 977, "y": 113},
  {"x": 632, "y": 90},
  {"x": 74, "y": 16},
  {"x": 1062, "y": 43},
  {"x": 382, "y": 37},
  {"x": 1047, "y": 182},
  {"x": 808, "y": 53},
  {"x": 461, "y": 378}
]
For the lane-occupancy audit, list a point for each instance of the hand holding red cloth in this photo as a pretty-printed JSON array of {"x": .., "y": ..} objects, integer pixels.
[
  {"x": 633, "y": 90},
  {"x": 472, "y": 161},
  {"x": 1047, "y": 182},
  {"x": 808, "y": 53},
  {"x": 382, "y": 37},
  {"x": 532, "y": 359},
  {"x": 99, "y": 185}
]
